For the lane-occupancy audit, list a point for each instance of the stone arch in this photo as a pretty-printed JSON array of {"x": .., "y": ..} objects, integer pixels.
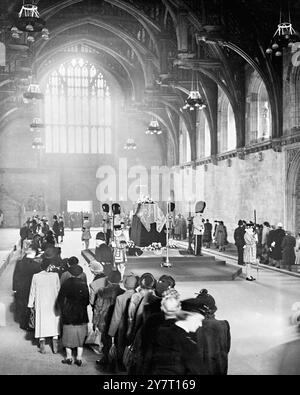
[
  {"x": 292, "y": 209},
  {"x": 41, "y": 61},
  {"x": 226, "y": 124},
  {"x": 258, "y": 114},
  {"x": 185, "y": 149},
  {"x": 203, "y": 136},
  {"x": 294, "y": 84},
  {"x": 140, "y": 51}
]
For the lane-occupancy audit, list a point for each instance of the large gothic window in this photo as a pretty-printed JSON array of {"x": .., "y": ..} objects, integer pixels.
[
  {"x": 226, "y": 125},
  {"x": 184, "y": 144},
  {"x": 203, "y": 136},
  {"x": 77, "y": 110},
  {"x": 258, "y": 111},
  {"x": 295, "y": 99}
]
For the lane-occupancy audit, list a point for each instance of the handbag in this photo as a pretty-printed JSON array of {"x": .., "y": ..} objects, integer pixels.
[
  {"x": 112, "y": 355},
  {"x": 31, "y": 320},
  {"x": 93, "y": 337},
  {"x": 128, "y": 356}
]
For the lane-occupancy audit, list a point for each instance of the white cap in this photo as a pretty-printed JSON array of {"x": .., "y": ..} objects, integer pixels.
[{"x": 280, "y": 225}]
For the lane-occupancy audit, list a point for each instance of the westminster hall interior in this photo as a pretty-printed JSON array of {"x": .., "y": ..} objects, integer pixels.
[{"x": 149, "y": 187}]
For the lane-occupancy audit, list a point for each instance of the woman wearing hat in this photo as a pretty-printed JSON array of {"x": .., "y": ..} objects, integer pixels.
[
  {"x": 55, "y": 228},
  {"x": 275, "y": 241},
  {"x": 86, "y": 232},
  {"x": 213, "y": 337},
  {"x": 118, "y": 324},
  {"x": 43, "y": 294},
  {"x": 73, "y": 300},
  {"x": 152, "y": 318},
  {"x": 171, "y": 351},
  {"x": 61, "y": 229},
  {"x": 103, "y": 311},
  {"x": 24, "y": 270},
  {"x": 71, "y": 262},
  {"x": 249, "y": 250},
  {"x": 104, "y": 253},
  {"x": 99, "y": 281},
  {"x": 137, "y": 302},
  {"x": 221, "y": 236},
  {"x": 153, "y": 300}
]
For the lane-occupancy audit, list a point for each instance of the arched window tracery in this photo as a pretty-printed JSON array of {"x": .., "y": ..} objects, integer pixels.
[
  {"x": 226, "y": 124},
  {"x": 78, "y": 113},
  {"x": 203, "y": 140},
  {"x": 184, "y": 144}
]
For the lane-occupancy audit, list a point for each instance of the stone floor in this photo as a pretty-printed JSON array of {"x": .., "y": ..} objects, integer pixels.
[{"x": 263, "y": 342}]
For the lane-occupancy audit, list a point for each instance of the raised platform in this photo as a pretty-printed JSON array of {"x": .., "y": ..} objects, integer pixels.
[{"x": 184, "y": 268}]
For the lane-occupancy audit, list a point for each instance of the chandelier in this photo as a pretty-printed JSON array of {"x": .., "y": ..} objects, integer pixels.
[
  {"x": 36, "y": 125},
  {"x": 284, "y": 36},
  {"x": 130, "y": 144},
  {"x": 37, "y": 143},
  {"x": 194, "y": 100},
  {"x": 154, "y": 127},
  {"x": 33, "y": 93},
  {"x": 29, "y": 22}
]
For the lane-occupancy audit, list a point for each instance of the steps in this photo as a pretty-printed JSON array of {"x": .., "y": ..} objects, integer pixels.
[{"x": 184, "y": 268}]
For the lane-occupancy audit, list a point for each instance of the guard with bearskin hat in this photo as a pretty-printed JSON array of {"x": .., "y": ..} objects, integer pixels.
[{"x": 198, "y": 227}]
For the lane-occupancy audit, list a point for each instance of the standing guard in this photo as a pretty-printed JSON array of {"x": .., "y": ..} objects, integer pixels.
[
  {"x": 106, "y": 221},
  {"x": 198, "y": 227}
]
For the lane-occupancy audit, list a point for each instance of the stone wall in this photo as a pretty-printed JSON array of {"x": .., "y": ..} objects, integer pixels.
[{"x": 233, "y": 193}]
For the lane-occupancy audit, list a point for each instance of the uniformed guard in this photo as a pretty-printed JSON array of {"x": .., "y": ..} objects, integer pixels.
[
  {"x": 106, "y": 222},
  {"x": 119, "y": 245},
  {"x": 198, "y": 226}
]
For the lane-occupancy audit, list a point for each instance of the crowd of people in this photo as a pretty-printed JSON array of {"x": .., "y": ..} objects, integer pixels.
[
  {"x": 256, "y": 243},
  {"x": 37, "y": 230},
  {"x": 139, "y": 325},
  {"x": 266, "y": 244}
]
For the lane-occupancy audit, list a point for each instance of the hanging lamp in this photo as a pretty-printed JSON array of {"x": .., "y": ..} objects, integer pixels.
[
  {"x": 194, "y": 100},
  {"x": 154, "y": 127},
  {"x": 37, "y": 143},
  {"x": 36, "y": 125},
  {"x": 29, "y": 21},
  {"x": 285, "y": 36},
  {"x": 130, "y": 144}
]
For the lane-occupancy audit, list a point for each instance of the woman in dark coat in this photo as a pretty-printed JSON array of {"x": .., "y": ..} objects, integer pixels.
[
  {"x": 288, "y": 250},
  {"x": 170, "y": 350},
  {"x": 207, "y": 238},
  {"x": 274, "y": 242},
  {"x": 55, "y": 228},
  {"x": 22, "y": 277},
  {"x": 61, "y": 229},
  {"x": 220, "y": 236},
  {"x": 45, "y": 227},
  {"x": 213, "y": 337},
  {"x": 73, "y": 300}
]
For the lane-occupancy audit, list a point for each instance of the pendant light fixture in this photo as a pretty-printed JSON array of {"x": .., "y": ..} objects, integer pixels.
[
  {"x": 154, "y": 127},
  {"x": 284, "y": 37},
  {"x": 37, "y": 143},
  {"x": 29, "y": 22},
  {"x": 194, "y": 100},
  {"x": 130, "y": 144}
]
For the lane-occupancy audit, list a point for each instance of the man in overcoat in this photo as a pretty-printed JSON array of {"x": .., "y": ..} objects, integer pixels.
[{"x": 240, "y": 241}]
